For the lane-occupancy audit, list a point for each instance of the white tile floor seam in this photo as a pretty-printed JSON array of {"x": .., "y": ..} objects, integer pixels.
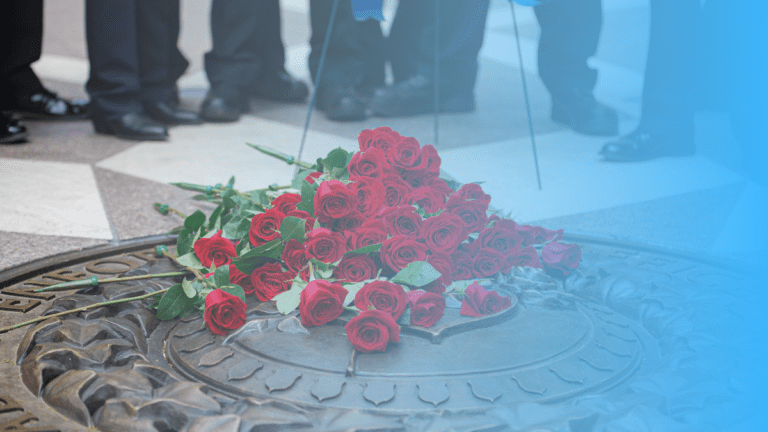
[{"x": 68, "y": 205}]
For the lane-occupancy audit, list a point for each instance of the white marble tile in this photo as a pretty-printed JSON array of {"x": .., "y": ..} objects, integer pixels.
[
  {"x": 574, "y": 179},
  {"x": 62, "y": 69},
  {"x": 211, "y": 153},
  {"x": 51, "y": 198}
]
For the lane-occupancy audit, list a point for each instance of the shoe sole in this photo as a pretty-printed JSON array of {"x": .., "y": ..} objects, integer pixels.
[{"x": 104, "y": 130}]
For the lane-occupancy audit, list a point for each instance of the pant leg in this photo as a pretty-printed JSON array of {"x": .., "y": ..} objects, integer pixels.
[
  {"x": 570, "y": 32},
  {"x": 356, "y": 49},
  {"x": 111, "y": 34},
  {"x": 668, "y": 89},
  {"x": 235, "y": 60},
  {"x": 21, "y": 24},
  {"x": 268, "y": 38},
  {"x": 157, "y": 23},
  {"x": 462, "y": 24}
]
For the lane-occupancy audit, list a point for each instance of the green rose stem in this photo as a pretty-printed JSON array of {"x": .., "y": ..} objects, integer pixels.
[
  {"x": 164, "y": 209},
  {"x": 81, "y": 309},
  {"x": 211, "y": 190},
  {"x": 66, "y": 286},
  {"x": 163, "y": 251},
  {"x": 290, "y": 160}
]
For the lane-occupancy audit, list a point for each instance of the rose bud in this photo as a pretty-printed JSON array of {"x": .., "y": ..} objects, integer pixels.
[
  {"x": 270, "y": 280},
  {"x": 265, "y": 227},
  {"x": 372, "y": 330},
  {"x": 333, "y": 201},
  {"x": 321, "y": 302},
  {"x": 399, "y": 251},
  {"x": 533, "y": 235},
  {"x": 381, "y": 138},
  {"x": 561, "y": 259},
  {"x": 444, "y": 232},
  {"x": 286, "y": 202},
  {"x": 478, "y": 301},
  {"x": 384, "y": 296},
  {"x": 223, "y": 312},
  {"x": 369, "y": 163},
  {"x": 426, "y": 308},
  {"x": 355, "y": 268},
  {"x": 239, "y": 278},
  {"x": 325, "y": 245},
  {"x": 525, "y": 257},
  {"x": 215, "y": 250}
]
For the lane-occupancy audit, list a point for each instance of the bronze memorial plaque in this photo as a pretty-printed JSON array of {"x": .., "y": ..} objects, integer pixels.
[{"x": 579, "y": 354}]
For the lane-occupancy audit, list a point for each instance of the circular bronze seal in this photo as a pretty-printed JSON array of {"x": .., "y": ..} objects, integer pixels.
[{"x": 623, "y": 340}]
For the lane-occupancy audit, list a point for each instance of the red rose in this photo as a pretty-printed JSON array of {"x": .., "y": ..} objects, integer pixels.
[
  {"x": 478, "y": 301},
  {"x": 383, "y": 296},
  {"x": 310, "y": 178},
  {"x": 471, "y": 192},
  {"x": 294, "y": 256},
  {"x": 440, "y": 186},
  {"x": 462, "y": 266},
  {"x": 487, "y": 262},
  {"x": 369, "y": 193},
  {"x": 381, "y": 138},
  {"x": 321, "y": 302},
  {"x": 309, "y": 221},
  {"x": 402, "y": 220},
  {"x": 223, "y": 312},
  {"x": 406, "y": 155},
  {"x": 507, "y": 224},
  {"x": 473, "y": 213},
  {"x": 371, "y": 232},
  {"x": 427, "y": 198},
  {"x": 537, "y": 235},
  {"x": 561, "y": 259},
  {"x": 286, "y": 202},
  {"x": 333, "y": 201},
  {"x": 504, "y": 241},
  {"x": 371, "y": 163},
  {"x": 399, "y": 251},
  {"x": 443, "y": 263},
  {"x": 444, "y": 232},
  {"x": 395, "y": 191},
  {"x": 215, "y": 250},
  {"x": 417, "y": 179},
  {"x": 270, "y": 280},
  {"x": 265, "y": 227},
  {"x": 239, "y": 278},
  {"x": 355, "y": 268},
  {"x": 372, "y": 330},
  {"x": 351, "y": 222},
  {"x": 324, "y": 245},
  {"x": 426, "y": 308},
  {"x": 526, "y": 257},
  {"x": 429, "y": 153}
]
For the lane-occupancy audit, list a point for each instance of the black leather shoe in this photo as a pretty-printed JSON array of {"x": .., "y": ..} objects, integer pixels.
[
  {"x": 169, "y": 114},
  {"x": 341, "y": 103},
  {"x": 415, "y": 96},
  {"x": 281, "y": 87},
  {"x": 644, "y": 145},
  {"x": 220, "y": 109},
  {"x": 582, "y": 113},
  {"x": 47, "y": 105},
  {"x": 11, "y": 132},
  {"x": 132, "y": 126}
]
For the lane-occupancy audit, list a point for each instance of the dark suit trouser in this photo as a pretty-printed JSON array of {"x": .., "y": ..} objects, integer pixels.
[
  {"x": 246, "y": 43},
  {"x": 133, "y": 54},
  {"x": 411, "y": 42},
  {"x": 21, "y": 24},
  {"x": 356, "y": 49}
]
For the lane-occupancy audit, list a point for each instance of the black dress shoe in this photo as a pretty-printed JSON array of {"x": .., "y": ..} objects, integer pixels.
[
  {"x": 644, "y": 145},
  {"x": 218, "y": 108},
  {"x": 341, "y": 103},
  {"x": 169, "y": 114},
  {"x": 281, "y": 87},
  {"x": 582, "y": 113},
  {"x": 11, "y": 131},
  {"x": 132, "y": 126},
  {"x": 416, "y": 96},
  {"x": 46, "y": 105}
]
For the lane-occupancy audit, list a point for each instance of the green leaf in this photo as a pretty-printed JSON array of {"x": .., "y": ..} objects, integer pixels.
[
  {"x": 231, "y": 181},
  {"x": 337, "y": 158},
  {"x": 235, "y": 290},
  {"x": 261, "y": 197},
  {"x": 221, "y": 276},
  {"x": 214, "y": 222},
  {"x": 366, "y": 249},
  {"x": 405, "y": 318},
  {"x": 453, "y": 184},
  {"x": 297, "y": 181},
  {"x": 288, "y": 301},
  {"x": 190, "y": 260},
  {"x": 256, "y": 257},
  {"x": 174, "y": 303},
  {"x": 189, "y": 290},
  {"x": 194, "y": 221},
  {"x": 352, "y": 289},
  {"x": 236, "y": 228},
  {"x": 340, "y": 173},
  {"x": 244, "y": 245},
  {"x": 417, "y": 273},
  {"x": 307, "y": 203},
  {"x": 292, "y": 228},
  {"x": 185, "y": 241}
]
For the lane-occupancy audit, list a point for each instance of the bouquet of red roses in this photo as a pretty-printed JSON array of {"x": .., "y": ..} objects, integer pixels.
[{"x": 376, "y": 232}]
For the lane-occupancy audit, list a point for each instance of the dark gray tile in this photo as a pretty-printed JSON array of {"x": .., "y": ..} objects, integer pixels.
[{"x": 17, "y": 248}]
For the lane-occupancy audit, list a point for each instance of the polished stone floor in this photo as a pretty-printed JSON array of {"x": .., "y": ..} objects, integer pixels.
[{"x": 69, "y": 188}]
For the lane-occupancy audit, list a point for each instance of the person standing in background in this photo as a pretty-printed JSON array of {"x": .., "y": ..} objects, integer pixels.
[
  {"x": 135, "y": 63},
  {"x": 247, "y": 59},
  {"x": 21, "y": 92}
]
